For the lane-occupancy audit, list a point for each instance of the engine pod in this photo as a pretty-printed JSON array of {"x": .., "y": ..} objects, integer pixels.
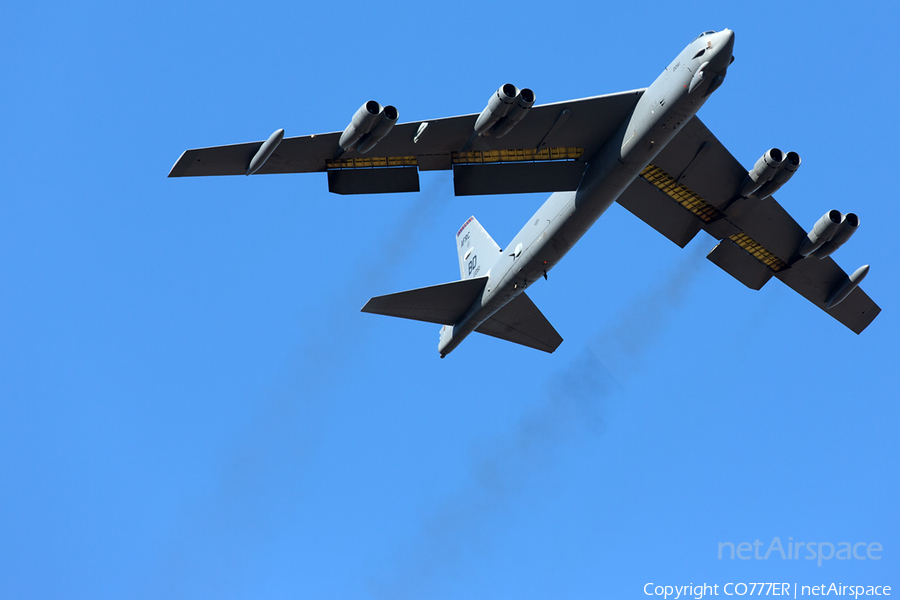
[
  {"x": 389, "y": 118},
  {"x": 782, "y": 176},
  {"x": 847, "y": 228},
  {"x": 500, "y": 103},
  {"x": 764, "y": 169},
  {"x": 524, "y": 102},
  {"x": 362, "y": 123},
  {"x": 822, "y": 231}
]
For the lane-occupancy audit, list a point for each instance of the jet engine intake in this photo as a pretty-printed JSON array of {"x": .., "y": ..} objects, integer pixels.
[
  {"x": 822, "y": 231},
  {"x": 362, "y": 123},
  {"x": 524, "y": 101},
  {"x": 764, "y": 170},
  {"x": 849, "y": 225},
  {"x": 499, "y": 105},
  {"x": 788, "y": 168},
  {"x": 389, "y": 118}
]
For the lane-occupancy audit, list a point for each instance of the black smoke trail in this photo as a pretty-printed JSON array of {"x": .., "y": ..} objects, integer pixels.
[
  {"x": 571, "y": 410},
  {"x": 268, "y": 458}
]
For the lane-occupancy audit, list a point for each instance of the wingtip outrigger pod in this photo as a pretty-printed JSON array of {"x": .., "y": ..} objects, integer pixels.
[
  {"x": 844, "y": 288},
  {"x": 265, "y": 151}
]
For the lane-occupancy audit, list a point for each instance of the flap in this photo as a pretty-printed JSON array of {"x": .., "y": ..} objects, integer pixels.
[
  {"x": 658, "y": 211},
  {"x": 739, "y": 264},
  {"x": 373, "y": 181},
  {"x": 517, "y": 178}
]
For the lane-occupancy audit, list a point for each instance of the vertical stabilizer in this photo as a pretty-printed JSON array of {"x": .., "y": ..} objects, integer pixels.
[{"x": 477, "y": 250}]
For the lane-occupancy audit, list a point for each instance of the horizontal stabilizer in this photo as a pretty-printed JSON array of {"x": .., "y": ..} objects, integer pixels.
[
  {"x": 443, "y": 304},
  {"x": 521, "y": 322}
]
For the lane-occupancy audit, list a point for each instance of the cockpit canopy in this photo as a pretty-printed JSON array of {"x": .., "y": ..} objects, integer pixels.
[{"x": 703, "y": 34}]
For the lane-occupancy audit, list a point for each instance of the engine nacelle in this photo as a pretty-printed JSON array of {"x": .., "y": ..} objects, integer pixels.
[
  {"x": 498, "y": 106},
  {"x": 389, "y": 118},
  {"x": 788, "y": 168},
  {"x": 524, "y": 102},
  {"x": 822, "y": 231},
  {"x": 847, "y": 228},
  {"x": 765, "y": 168},
  {"x": 362, "y": 123}
]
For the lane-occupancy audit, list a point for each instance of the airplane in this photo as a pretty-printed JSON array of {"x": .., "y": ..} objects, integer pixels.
[{"x": 644, "y": 149}]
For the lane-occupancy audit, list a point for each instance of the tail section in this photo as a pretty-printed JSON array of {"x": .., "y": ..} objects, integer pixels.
[
  {"x": 519, "y": 321},
  {"x": 477, "y": 250}
]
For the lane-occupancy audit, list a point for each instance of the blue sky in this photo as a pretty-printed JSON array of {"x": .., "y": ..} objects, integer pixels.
[{"x": 192, "y": 405}]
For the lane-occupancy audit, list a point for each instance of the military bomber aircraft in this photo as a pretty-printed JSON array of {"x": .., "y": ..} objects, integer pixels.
[{"x": 643, "y": 148}]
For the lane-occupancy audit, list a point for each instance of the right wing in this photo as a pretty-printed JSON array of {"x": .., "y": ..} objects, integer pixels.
[
  {"x": 544, "y": 152},
  {"x": 693, "y": 184}
]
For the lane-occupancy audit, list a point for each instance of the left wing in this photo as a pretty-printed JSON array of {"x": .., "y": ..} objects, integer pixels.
[
  {"x": 544, "y": 152},
  {"x": 693, "y": 184}
]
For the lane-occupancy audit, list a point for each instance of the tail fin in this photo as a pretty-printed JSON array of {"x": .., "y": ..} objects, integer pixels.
[{"x": 477, "y": 250}]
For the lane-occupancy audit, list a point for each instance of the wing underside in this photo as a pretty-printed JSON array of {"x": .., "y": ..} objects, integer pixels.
[
  {"x": 693, "y": 184},
  {"x": 545, "y": 152}
]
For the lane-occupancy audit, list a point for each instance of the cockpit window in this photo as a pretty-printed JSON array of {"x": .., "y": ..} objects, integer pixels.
[{"x": 702, "y": 34}]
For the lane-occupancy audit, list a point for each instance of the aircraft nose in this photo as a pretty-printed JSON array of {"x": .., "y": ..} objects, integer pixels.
[
  {"x": 724, "y": 45},
  {"x": 725, "y": 38}
]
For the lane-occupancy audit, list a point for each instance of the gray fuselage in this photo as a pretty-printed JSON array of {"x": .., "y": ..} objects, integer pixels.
[{"x": 672, "y": 100}]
